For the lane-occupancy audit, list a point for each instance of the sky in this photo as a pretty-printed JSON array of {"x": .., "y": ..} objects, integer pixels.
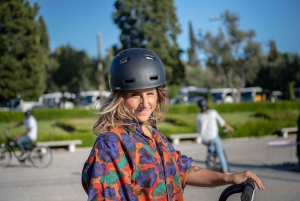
[{"x": 78, "y": 22}]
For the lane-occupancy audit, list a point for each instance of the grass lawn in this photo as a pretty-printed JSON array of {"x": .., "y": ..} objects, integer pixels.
[{"x": 244, "y": 123}]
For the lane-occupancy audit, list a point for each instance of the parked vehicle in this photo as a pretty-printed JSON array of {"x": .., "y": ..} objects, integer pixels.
[
  {"x": 92, "y": 98},
  {"x": 190, "y": 95},
  {"x": 19, "y": 104},
  {"x": 59, "y": 99},
  {"x": 276, "y": 96},
  {"x": 252, "y": 94},
  {"x": 223, "y": 95}
]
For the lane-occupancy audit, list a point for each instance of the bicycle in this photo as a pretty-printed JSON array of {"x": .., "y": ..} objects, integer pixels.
[
  {"x": 39, "y": 156},
  {"x": 212, "y": 160},
  {"x": 247, "y": 189}
]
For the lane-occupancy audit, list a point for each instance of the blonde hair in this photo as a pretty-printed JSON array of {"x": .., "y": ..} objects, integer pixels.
[{"x": 113, "y": 111}]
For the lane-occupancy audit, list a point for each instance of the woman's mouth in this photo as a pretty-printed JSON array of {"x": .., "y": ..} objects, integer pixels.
[{"x": 143, "y": 111}]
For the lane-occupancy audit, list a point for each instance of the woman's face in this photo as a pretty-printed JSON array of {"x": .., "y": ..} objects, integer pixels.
[{"x": 141, "y": 103}]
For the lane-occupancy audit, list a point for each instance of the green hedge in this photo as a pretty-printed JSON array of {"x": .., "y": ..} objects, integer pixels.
[
  {"x": 56, "y": 113},
  {"x": 48, "y": 114},
  {"x": 259, "y": 119},
  {"x": 238, "y": 107}
]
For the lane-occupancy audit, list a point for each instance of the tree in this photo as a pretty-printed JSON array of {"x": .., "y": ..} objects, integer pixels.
[
  {"x": 192, "y": 51},
  {"x": 280, "y": 72},
  {"x": 22, "y": 59},
  {"x": 194, "y": 75},
  {"x": 151, "y": 24},
  {"x": 74, "y": 70},
  {"x": 44, "y": 40},
  {"x": 233, "y": 54}
]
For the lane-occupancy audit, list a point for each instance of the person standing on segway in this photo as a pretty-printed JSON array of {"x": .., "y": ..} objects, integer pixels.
[{"x": 207, "y": 126}]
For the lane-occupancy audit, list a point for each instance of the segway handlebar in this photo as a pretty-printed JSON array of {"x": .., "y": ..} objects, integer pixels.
[{"x": 247, "y": 189}]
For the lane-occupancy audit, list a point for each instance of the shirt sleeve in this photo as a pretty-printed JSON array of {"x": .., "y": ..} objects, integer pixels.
[
  {"x": 106, "y": 173},
  {"x": 184, "y": 164},
  {"x": 220, "y": 120}
]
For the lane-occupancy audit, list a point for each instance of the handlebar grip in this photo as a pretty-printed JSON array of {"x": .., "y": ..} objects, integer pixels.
[{"x": 249, "y": 190}]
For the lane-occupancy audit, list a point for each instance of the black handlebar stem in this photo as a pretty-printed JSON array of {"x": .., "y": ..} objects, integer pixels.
[{"x": 247, "y": 189}]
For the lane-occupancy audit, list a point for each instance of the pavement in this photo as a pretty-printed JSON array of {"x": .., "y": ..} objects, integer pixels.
[{"x": 277, "y": 168}]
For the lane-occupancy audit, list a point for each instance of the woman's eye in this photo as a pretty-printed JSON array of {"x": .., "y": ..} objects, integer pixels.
[{"x": 152, "y": 93}]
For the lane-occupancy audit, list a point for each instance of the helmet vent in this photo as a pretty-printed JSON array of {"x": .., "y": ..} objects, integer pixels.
[
  {"x": 124, "y": 51},
  {"x": 124, "y": 60},
  {"x": 154, "y": 78},
  {"x": 150, "y": 57},
  {"x": 129, "y": 81}
]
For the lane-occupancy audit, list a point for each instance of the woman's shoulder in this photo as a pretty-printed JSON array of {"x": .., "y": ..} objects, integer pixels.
[
  {"x": 106, "y": 139},
  {"x": 115, "y": 132}
]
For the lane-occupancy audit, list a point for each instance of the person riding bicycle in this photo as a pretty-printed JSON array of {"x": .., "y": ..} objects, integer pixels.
[
  {"x": 30, "y": 134},
  {"x": 207, "y": 126},
  {"x": 131, "y": 159}
]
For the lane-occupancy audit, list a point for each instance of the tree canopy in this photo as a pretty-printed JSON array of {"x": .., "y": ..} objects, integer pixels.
[
  {"x": 22, "y": 59},
  {"x": 233, "y": 53},
  {"x": 72, "y": 70},
  {"x": 151, "y": 24}
]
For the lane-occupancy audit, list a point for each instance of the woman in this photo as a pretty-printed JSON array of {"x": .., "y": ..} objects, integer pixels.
[{"x": 131, "y": 159}]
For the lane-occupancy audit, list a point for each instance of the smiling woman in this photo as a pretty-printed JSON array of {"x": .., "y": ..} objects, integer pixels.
[
  {"x": 141, "y": 103},
  {"x": 131, "y": 159}
]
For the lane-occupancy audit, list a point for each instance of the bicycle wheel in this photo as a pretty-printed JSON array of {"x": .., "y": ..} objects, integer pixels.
[
  {"x": 213, "y": 162},
  {"x": 5, "y": 157},
  {"x": 40, "y": 156}
]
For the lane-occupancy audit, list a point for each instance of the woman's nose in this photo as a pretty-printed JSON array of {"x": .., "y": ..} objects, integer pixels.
[{"x": 144, "y": 101}]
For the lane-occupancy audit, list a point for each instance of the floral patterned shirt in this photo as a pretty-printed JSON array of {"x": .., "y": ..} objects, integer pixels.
[{"x": 124, "y": 164}]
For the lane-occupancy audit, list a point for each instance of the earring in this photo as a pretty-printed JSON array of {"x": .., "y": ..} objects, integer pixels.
[{"x": 152, "y": 114}]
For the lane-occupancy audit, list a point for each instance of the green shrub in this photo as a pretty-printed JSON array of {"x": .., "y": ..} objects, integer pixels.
[
  {"x": 186, "y": 120},
  {"x": 48, "y": 114},
  {"x": 251, "y": 106},
  {"x": 258, "y": 128},
  {"x": 183, "y": 109},
  {"x": 277, "y": 114}
]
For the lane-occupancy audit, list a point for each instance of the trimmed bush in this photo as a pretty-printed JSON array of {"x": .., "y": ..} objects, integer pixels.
[
  {"x": 48, "y": 114},
  {"x": 237, "y": 107}
]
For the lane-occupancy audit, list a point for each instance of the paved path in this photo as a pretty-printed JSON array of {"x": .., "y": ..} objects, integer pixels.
[{"x": 61, "y": 181}]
